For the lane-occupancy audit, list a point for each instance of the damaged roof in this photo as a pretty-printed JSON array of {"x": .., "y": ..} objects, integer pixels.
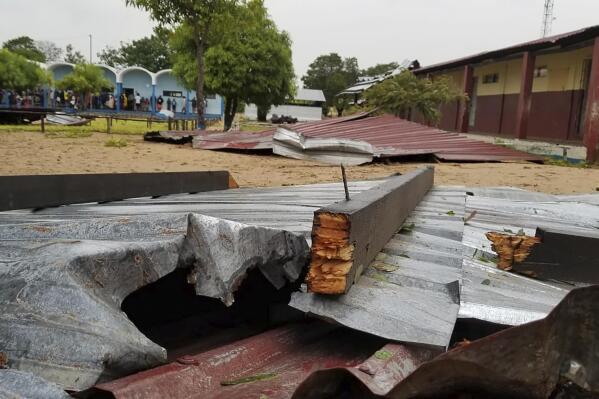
[{"x": 68, "y": 269}]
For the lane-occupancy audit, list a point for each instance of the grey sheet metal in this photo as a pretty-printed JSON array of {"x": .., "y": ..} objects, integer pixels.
[
  {"x": 410, "y": 293},
  {"x": 334, "y": 151},
  {"x": 506, "y": 298},
  {"x": 15, "y": 384},
  {"x": 65, "y": 271}
]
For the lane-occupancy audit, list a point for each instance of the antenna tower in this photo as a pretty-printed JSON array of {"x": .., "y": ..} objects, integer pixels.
[{"x": 547, "y": 18}]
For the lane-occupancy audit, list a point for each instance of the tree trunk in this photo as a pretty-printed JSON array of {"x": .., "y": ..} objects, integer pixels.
[
  {"x": 230, "y": 110},
  {"x": 262, "y": 113},
  {"x": 201, "y": 118}
]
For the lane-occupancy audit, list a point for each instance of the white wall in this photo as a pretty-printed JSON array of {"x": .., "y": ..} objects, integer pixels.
[{"x": 302, "y": 113}]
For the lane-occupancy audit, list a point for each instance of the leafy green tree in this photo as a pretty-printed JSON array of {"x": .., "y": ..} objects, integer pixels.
[
  {"x": 18, "y": 73},
  {"x": 405, "y": 92},
  {"x": 87, "y": 80},
  {"x": 199, "y": 17},
  {"x": 152, "y": 53},
  {"x": 51, "y": 51},
  {"x": 25, "y": 46},
  {"x": 380, "y": 69},
  {"x": 331, "y": 74},
  {"x": 72, "y": 56}
]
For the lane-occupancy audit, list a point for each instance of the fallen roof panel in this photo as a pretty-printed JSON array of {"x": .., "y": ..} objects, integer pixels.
[
  {"x": 391, "y": 137},
  {"x": 269, "y": 365}
]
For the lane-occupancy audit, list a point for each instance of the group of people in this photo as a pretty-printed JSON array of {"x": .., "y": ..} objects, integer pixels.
[
  {"x": 21, "y": 99},
  {"x": 105, "y": 100}
]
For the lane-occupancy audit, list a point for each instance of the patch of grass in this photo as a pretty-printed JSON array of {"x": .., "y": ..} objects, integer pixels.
[
  {"x": 95, "y": 126},
  {"x": 117, "y": 142},
  {"x": 383, "y": 355},
  {"x": 408, "y": 228},
  {"x": 451, "y": 213},
  {"x": 566, "y": 163}
]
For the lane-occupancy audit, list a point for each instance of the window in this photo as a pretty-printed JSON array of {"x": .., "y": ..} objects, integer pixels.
[
  {"x": 541, "y": 72},
  {"x": 491, "y": 78}
]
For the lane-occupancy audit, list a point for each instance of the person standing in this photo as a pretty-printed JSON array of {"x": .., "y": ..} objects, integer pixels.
[
  {"x": 174, "y": 104},
  {"x": 169, "y": 104},
  {"x": 159, "y": 102},
  {"x": 194, "y": 105},
  {"x": 137, "y": 101},
  {"x": 184, "y": 104}
]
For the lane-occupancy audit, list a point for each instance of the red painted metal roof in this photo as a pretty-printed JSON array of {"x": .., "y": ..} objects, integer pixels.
[
  {"x": 563, "y": 39},
  {"x": 270, "y": 365},
  {"x": 391, "y": 136},
  {"x": 206, "y": 140},
  {"x": 394, "y": 137}
]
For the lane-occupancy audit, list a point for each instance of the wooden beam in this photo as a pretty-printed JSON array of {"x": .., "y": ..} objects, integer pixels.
[
  {"x": 550, "y": 255},
  {"x": 348, "y": 235},
  {"x": 524, "y": 99},
  {"x": 464, "y": 112},
  {"x": 591, "y": 119},
  {"x": 23, "y": 192}
]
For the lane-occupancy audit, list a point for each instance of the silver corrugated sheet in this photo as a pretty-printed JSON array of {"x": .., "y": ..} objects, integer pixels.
[
  {"x": 65, "y": 271},
  {"x": 410, "y": 293}
]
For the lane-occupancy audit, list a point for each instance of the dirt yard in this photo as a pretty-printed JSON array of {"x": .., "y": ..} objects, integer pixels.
[{"x": 35, "y": 153}]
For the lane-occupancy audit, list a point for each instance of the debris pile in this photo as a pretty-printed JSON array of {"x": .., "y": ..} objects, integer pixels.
[{"x": 412, "y": 291}]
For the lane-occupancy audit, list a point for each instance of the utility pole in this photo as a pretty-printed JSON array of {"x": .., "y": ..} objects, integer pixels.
[
  {"x": 547, "y": 18},
  {"x": 90, "y": 48}
]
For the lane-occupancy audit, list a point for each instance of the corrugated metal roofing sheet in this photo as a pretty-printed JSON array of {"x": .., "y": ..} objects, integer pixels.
[
  {"x": 418, "y": 272},
  {"x": 390, "y": 137},
  {"x": 394, "y": 137},
  {"x": 563, "y": 39},
  {"x": 270, "y": 365}
]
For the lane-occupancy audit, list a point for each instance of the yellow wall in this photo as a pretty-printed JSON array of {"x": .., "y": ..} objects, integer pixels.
[{"x": 565, "y": 72}]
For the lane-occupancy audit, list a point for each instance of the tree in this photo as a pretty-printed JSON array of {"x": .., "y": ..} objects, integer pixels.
[
  {"x": 51, "y": 51},
  {"x": 25, "y": 46},
  {"x": 380, "y": 69},
  {"x": 152, "y": 53},
  {"x": 249, "y": 60},
  {"x": 18, "y": 73},
  {"x": 331, "y": 74},
  {"x": 405, "y": 92},
  {"x": 198, "y": 16},
  {"x": 74, "y": 57},
  {"x": 86, "y": 79}
]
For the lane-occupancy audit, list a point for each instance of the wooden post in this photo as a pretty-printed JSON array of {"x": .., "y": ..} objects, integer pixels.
[
  {"x": 524, "y": 100},
  {"x": 43, "y": 123},
  {"x": 464, "y": 113},
  {"x": 170, "y": 124},
  {"x": 591, "y": 119}
]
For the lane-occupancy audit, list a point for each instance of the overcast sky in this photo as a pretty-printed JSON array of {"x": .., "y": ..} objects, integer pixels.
[{"x": 374, "y": 31}]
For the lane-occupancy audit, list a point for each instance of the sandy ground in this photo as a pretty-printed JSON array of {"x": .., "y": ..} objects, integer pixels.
[{"x": 34, "y": 153}]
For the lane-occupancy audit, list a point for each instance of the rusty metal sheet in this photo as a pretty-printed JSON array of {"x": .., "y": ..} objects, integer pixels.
[
  {"x": 238, "y": 140},
  {"x": 554, "y": 355},
  {"x": 234, "y": 140},
  {"x": 392, "y": 137},
  {"x": 270, "y": 365}
]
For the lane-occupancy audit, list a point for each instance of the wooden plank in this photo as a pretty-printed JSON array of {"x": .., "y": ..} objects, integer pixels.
[
  {"x": 348, "y": 235},
  {"x": 23, "y": 192},
  {"x": 562, "y": 256}
]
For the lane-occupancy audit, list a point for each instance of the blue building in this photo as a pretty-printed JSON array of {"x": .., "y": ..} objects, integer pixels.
[{"x": 159, "y": 91}]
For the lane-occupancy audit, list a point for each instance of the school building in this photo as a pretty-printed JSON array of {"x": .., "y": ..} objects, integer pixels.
[
  {"x": 149, "y": 85},
  {"x": 546, "y": 89}
]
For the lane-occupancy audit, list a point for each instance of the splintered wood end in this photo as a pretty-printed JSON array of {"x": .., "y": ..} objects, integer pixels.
[
  {"x": 332, "y": 254},
  {"x": 511, "y": 248}
]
